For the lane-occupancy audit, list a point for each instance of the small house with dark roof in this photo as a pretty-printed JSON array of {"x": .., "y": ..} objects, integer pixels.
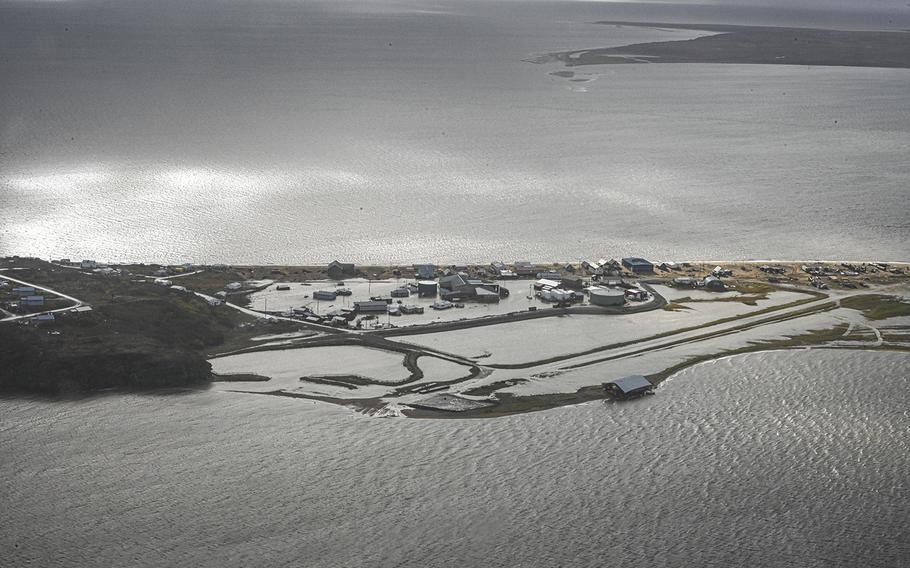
[
  {"x": 637, "y": 265},
  {"x": 425, "y": 271},
  {"x": 627, "y": 387},
  {"x": 337, "y": 269}
]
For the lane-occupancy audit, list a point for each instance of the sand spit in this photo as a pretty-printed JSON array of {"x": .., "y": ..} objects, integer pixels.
[{"x": 753, "y": 45}]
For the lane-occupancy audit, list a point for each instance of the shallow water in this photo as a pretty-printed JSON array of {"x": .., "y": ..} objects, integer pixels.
[
  {"x": 396, "y": 131},
  {"x": 772, "y": 459}
]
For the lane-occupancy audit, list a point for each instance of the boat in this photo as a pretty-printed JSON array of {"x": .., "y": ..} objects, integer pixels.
[
  {"x": 343, "y": 291},
  {"x": 441, "y": 305},
  {"x": 282, "y": 287}
]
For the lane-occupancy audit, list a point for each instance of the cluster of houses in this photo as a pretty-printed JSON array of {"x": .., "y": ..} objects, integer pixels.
[
  {"x": 817, "y": 272},
  {"x": 712, "y": 282},
  {"x": 22, "y": 297},
  {"x": 92, "y": 266}
]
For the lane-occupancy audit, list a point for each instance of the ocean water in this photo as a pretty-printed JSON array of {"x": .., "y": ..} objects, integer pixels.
[
  {"x": 783, "y": 459},
  {"x": 295, "y": 132}
]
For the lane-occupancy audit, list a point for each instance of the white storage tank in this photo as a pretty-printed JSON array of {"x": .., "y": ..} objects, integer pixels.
[{"x": 607, "y": 297}]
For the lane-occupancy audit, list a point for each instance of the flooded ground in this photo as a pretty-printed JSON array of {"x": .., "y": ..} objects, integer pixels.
[{"x": 300, "y": 295}]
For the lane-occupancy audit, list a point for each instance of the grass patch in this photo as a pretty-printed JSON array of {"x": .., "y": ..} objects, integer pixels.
[
  {"x": 239, "y": 378},
  {"x": 747, "y": 299},
  {"x": 350, "y": 382},
  {"x": 812, "y": 337},
  {"x": 752, "y": 287},
  {"x": 877, "y": 306},
  {"x": 512, "y": 404},
  {"x": 487, "y": 390}
]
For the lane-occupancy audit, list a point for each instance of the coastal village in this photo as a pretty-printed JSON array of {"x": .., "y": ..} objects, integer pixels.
[
  {"x": 502, "y": 337},
  {"x": 349, "y": 296}
]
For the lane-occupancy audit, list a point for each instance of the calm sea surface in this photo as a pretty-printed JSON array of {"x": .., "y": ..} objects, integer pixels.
[
  {"x": 387, "y": 131},
  {"x": 774, "y": 459}
]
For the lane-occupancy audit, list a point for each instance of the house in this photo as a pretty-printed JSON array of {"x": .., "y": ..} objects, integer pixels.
[
  {"x": 546, "y": 283},
  {"x": 452, "y": 282},
  {"x": 23, "y": 291},
  {"x": 525, "y": 268},
  {"x": 611, "y": 266},
  {"x": 402, "y": 292},
  {"x": 637, "y": 265},
  {"x": 636, "y": 294},
  {"x": 43, "y": 318},
  {"x": 88, "y": 264},
  {"x": 626, "y": 387},
  {"x": 425, "y": 271},
  {"x": 685, "y": 282},
  {"x": 573, "y": 283},
  {"x": 337, "y": 269},
  {"x": 32, "y": 301},
  {"x": 550, "y": 275},
  {"x": 714, "y": 284}
]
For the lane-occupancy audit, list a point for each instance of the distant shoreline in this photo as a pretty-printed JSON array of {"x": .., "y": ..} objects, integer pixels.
[{"x": 752, "y": 45}]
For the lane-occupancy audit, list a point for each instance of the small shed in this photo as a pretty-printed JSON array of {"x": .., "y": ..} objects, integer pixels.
[
  {"x": 325, "y": 295},
  {"x": 626, "y": 387},
  {"x": 714, "y": 284},
  {"x": 374, "y": 307}
]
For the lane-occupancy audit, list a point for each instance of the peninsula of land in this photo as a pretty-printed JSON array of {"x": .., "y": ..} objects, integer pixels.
[
  {"x": 466, "y": 340},
  {"x": 752, "y": 45}
]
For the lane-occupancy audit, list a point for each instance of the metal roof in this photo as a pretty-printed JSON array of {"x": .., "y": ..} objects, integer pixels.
[
  {"x": 636, "y": 261},
  {"x": 632, "y": 383}
]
